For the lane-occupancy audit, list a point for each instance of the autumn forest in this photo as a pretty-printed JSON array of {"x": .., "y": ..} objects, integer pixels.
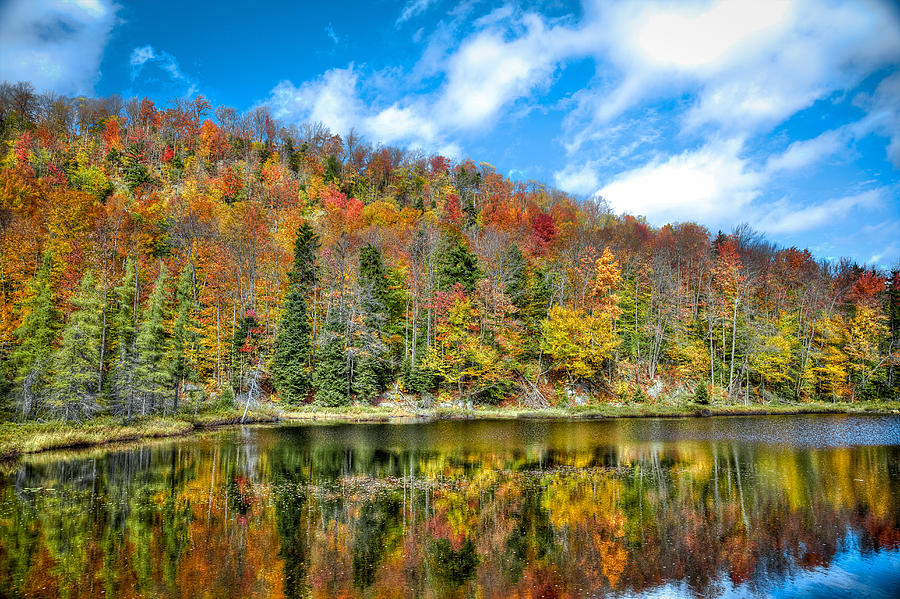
[{"x": 181, "y": 257}]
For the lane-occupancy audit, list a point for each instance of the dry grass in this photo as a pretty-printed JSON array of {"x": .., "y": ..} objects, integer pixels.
[{"x": 16, "y": 439}]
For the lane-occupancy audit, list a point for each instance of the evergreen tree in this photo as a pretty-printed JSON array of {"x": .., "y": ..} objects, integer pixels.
[
  {"x": 369, "y": 350},
  {"x": 456, "y": 263},
  {"x": 154, "y": 365},
  {"x": 515, "y": 278},
  {"x": 31, "y": 358},
  {"x": 76, "y": 364},
  {"x": 330, "y": 376},
  {"x": 185, "y": 333},
  {"x": 125, "y": 334},
  {"x": 290, "y": 364},
  {"x": 701, "y": 393}
]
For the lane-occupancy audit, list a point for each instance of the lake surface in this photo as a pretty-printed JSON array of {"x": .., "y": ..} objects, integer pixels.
[{"x": 776, "y": 506}]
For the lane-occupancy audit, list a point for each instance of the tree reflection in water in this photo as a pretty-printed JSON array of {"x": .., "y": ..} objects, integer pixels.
[{"x": 442, "y": 510}]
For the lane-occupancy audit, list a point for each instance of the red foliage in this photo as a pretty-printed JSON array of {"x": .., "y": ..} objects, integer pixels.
[
  {"x": 444, "y": 300},
  {"x": 168, "y": 154},
  {"x": 451, "y": 212},
  {"x": 438, "y": 164},
  {"x": 543, "y": 231},
  {"x": 342, "y": 213},
  {"x": 23, "y": 147},
  {"x": 867, "y": 287},
  {"x": 111, "y": 134}
]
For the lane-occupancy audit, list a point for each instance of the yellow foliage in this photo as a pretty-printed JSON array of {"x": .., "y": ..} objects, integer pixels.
[{"x": 577, "y": 341}]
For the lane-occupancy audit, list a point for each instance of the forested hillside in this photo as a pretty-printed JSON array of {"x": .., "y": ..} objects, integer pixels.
[{"x": 156, "y": 256}]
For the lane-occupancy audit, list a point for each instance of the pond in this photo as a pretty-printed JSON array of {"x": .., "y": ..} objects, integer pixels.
[{"x": 776, "y": 506}]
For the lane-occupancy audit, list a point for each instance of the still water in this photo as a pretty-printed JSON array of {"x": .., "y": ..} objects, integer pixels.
[{"x": 780, "y": 506}]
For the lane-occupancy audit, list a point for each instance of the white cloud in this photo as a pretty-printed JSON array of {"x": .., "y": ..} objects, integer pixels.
[
  {"x": 883, "y": 115},
  {"x": 580, "y": 180},
  {"x": 412, "y": 9},
  {"x": 332, "y": 35},
  {"x": 55, "y": 45},
  {"x": 807, "y": 152},
  {"x": 712, "y": 184},
  {"x": 504, "y": 60},
  {"x": 331, "y": 100},
  {"x": 146, "y": 54},
  {"x": 784, "y": 217},
  {"x": 747, "y": 65}
]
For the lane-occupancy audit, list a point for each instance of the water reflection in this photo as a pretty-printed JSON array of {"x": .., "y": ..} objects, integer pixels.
[{"x": 450, "y": 509}]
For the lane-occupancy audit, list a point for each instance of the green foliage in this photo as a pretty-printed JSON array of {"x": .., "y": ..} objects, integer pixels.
[
  {"x": 330, "y": 376},
  {"x": 124, "y": 333},
  {"x": 76, "y": 364},
  {"x": 456, "y": 263},
  {"x": 333, "y": 169},
  {"x": 290, "y": 364},
  {"x": 92, "y": 180},
  {"x": 701, "y": 393},
  {"x": 153, "y": 375},
  {"x": 35, "y": 335},
  {"x": 185, "y": 332},
  {"x": 135, "y": 172}
]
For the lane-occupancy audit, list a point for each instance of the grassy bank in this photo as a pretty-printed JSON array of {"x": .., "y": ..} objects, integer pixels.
[
  {"x": 16, "y": 439},
  {"x": 33, "y": 437},
  {"x": 364, "y": 413}
]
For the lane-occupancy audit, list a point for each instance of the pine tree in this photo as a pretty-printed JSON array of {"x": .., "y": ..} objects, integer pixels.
[
  {"x": 74, "y": 387},
  {"x": 456, "y": 264},
  {"x": 125, "y": 334},
  {"x": 330, "y": 376},
  {"x": 185, "y": 334},
  {"x": 154, "y": 365},
  {"x": 36, "y": 334},
  {"x": 290, "y": 364},
  {"x": 369, "y": 350}
]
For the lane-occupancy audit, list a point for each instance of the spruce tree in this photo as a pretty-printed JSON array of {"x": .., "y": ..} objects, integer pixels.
[
  {"x": 31, "y": 358},
  {"x": 330, "y": 377},
  {"x": 185, "y": 334},
  {"x": 74, "y": 386},
  {"x": 456, "y": 263},
  {"x": 124, "y": 326},
  {"x": 369, "y": 350},
  {"x": 154, "y": 365},
  {"x": 290, "y": 364}
]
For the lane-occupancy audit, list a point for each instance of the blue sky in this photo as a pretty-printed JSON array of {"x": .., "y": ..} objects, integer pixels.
[{"x": 784, "y": 114}]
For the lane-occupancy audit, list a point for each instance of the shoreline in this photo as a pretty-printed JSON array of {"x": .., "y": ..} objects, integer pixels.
[{"x": 32, "y": 438}]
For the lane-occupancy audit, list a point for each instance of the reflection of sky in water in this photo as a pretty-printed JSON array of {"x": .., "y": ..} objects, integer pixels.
[{"x": 850, "y": 575}]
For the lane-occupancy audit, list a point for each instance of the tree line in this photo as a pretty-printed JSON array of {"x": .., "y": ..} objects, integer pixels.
[{"x": 153, "y": 258}]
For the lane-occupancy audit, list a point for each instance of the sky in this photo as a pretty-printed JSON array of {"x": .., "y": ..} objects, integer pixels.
[{"x": 781, "y": 114}]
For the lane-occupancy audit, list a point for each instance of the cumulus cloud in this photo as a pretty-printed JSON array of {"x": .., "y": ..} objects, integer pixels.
[
  {"x": 55, "y": 45},
  {"x": 503, "y": 61},
  {"x": 331, "y": 100},
  {"x": 748, "y": 64},
  {"x": 148, "y": 55},
  {"x": 712, "y": 184},
  {"x": 578, "y": 179}
]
